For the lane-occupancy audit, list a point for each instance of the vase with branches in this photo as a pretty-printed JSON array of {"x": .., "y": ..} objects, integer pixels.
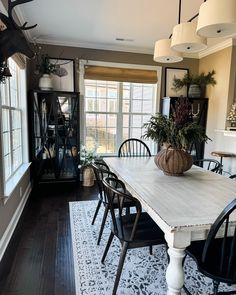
[
  {"x": 176, "y": 134},
  {"x": 201, "y": 81}
]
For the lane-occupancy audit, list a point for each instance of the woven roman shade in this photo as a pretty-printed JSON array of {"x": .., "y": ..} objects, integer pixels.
[{"x": 120, "y": 74}]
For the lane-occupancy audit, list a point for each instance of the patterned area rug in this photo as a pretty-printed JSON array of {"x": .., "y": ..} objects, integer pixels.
[{"x": 142, "y": 273}]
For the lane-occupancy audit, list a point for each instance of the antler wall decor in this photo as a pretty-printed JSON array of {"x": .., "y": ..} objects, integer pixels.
[{"x": 12, "y": 39}]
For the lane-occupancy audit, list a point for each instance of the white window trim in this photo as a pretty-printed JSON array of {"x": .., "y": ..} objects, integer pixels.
[
  {"x": 7, "y": 187},
  {"x": 83, "y": 63}
]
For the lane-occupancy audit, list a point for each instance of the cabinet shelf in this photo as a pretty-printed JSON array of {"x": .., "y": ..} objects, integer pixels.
[{"x": 54, "y": 135}]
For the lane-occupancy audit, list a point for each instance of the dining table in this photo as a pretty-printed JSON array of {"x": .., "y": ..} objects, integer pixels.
[{"x": 184, "y": 207}]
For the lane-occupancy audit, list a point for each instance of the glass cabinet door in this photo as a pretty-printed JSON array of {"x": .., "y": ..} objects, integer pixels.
[{"x": 55, "y": 135}]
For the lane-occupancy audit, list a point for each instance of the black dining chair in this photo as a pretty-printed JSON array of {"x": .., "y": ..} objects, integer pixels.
[
  {"x": 101, "y": 170},
  {"x": 209, "y": 164},
  {"x": 133, "y": 230},
  {"x": 134, "y": 147},
  {"x": 216, "y": 257}
]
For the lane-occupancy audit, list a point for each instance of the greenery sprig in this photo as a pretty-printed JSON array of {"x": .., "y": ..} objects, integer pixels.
[
  {"x": 188, "y": 79},
  {"x": 179, "y": 131},
  {"x": 45, "y": 67}
]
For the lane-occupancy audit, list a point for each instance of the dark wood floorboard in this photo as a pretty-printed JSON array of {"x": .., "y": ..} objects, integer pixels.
[{"x": 42, "y": 261}]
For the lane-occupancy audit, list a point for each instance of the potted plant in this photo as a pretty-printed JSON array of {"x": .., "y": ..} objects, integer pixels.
[
  {"x": 45, "y": 68},
  {"x": 176, "y": 134},
  {"x": 196, "y": 85},
  {"x": 87, "y": 157}
]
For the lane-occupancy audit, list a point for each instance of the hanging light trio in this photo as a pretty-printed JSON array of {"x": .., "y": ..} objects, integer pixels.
[{"x": 215, "y": 19}]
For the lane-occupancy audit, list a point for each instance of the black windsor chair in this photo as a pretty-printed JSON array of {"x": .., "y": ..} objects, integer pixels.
[
  {"x": 209, "y": 164},
  {"x": 134, "y": 147},
  {"x": 216, "y": 257},
  {"x": 133, "y": 230},
  {"x": 101, "y": 170}
]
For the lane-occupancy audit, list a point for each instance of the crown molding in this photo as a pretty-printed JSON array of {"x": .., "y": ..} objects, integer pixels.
[
  {"x": 21, "y": 19},
  {"x": 96, "y": 46},
  {"x": 217, "y": 47}
]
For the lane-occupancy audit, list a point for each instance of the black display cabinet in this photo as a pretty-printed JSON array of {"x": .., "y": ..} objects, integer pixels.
[
  {"x": 199, "y": 114},
  {"x": 54, "y": 132}
]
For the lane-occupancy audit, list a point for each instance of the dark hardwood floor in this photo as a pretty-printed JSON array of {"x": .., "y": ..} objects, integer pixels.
[{"x": 39, "y": 258}]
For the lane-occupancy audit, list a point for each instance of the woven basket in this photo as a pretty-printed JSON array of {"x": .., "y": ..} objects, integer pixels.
[
  {"x": 173, "y": 162},
  {"x": 88, "y": 176}
]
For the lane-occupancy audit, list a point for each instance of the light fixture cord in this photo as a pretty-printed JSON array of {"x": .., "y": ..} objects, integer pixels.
[
  {"x": 189, "y": 21},
  {"x": 179, "y": 11}
]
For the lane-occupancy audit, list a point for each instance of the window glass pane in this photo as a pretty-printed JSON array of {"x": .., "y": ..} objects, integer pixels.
[
  {"x": 16, "y": 138},
  {"x": 126, "y": 105},
  {"x": 11, "y": 121},
  {"x": 90, "y": 120},
  {"x": 17, "y": 158},
  {"x": 136, "y": 106},
  {"x": 91, "y": 105},
  {"x": 147, "y": 92},
  {"x": 90, "y": 91},
  {"x": 101, "y": 120},
  {"x": 137, "y": 92},
  {"x": 136, "y": 121},
  {"x": 112, "y": 106},
  {"x": 5, "y": 120},
  {"x": 125, "y": 134},
  {"x": 3, "y": 93},
  {"x": 112, "y": 92},
  {"x": 112, "y": 119},
  {"x": 102, "y": 105},
  {"x": 147, "y": 106},
  {"x": 7, "y": 166},
  {"x": 13, "y": 96},
  {"x": 101, "y": 92},
  {"x": 16, "y": 119},
  {"x": 6, "y": 143},
  {"x": 136, "y": 132}
]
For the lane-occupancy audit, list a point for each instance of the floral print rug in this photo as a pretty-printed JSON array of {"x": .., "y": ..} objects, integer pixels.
[{"x": 142, "y": 273}]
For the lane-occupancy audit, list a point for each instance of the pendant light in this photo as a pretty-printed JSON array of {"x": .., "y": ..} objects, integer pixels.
[
  {"x": 185, "y": 38},
  {"x": 217, "y": 18},
  {"x": 164, "y": 54}
]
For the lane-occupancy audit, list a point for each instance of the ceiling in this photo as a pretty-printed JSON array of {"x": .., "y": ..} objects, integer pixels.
[{"x": 98, "y": 23}]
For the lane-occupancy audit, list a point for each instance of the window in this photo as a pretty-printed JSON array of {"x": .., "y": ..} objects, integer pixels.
[
  {"x": 13, "y": 102},
  {"x": 115, "y": 111}
]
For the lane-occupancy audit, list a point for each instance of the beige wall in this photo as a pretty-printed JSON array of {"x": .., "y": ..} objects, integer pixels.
[
  {"x": 104, "y": 55},
  {"x": 11, "y": 209},
  {"x": 220, "y": 99}
]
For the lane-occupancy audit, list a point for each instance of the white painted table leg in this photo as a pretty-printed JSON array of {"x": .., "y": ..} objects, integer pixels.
[{"x": 175, "y": 272}]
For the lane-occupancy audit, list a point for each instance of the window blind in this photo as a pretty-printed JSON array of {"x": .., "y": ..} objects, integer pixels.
[{"x": 120, "y": 74}]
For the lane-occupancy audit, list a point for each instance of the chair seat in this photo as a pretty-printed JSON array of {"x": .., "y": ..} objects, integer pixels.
[
  {"x": 147, "y": 230},
  {"x": 212, "y": 265}
]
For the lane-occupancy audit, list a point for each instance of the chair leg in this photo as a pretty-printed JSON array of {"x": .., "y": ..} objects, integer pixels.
[
  {"x": 215, "y": 287},
  {"x": 103, "y": 224},
  {"x": 120, "y": 266},
  {"x": 96, "y": 212},
  {"x": 150, "y": 250},
  {"x": 107, "y": 246}
]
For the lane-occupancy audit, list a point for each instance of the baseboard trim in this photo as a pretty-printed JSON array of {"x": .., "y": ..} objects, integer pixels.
[{"x": 14, "y": 221}]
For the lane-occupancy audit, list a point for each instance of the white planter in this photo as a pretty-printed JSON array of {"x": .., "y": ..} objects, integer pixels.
[{"x": 45, "y": 82}]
